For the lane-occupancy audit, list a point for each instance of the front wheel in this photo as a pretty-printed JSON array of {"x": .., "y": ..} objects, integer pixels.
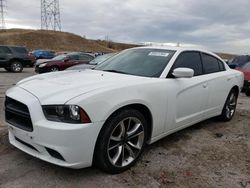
[
  {"x": 121, "y": 141},
  {"x": 230, "y": 106},
  {"x": 54, "y": 69}
]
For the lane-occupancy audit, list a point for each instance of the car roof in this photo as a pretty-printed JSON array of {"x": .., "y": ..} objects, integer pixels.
[
  {"x": 179, "y": 49},
  {"x": 175, "y": 48}
]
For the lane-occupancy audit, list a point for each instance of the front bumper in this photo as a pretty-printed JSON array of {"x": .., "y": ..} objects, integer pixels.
[
  {"x": 74, "y": 142},
  {"x": 42, "y": 69}
]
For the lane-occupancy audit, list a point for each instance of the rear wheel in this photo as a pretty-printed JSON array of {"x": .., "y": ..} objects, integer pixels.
[
  {"x": 16, "y": 66},
  {"x": 121, "y": 141},
  {"x": 230, "y": 106}
]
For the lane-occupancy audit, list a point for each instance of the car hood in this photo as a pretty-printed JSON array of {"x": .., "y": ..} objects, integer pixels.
[
  {"x": 40, "y": 61},
  {"x": 60, "y": 87},
  {"x": 49, "y": 61}
]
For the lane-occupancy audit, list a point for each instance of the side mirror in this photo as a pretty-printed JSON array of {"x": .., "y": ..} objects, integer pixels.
[
  {"x": 232, "y": 66},
  {"x": 183, "y": 73}
]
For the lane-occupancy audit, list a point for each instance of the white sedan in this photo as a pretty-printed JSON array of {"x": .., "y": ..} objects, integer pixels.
[{"x": 107, "y": 115}]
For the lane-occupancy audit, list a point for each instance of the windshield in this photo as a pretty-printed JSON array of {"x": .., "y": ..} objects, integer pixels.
[
  {"x": 100, "y": 59},
  {"x": 140, "y": 62},
  {"x": 59, "y": 57}
]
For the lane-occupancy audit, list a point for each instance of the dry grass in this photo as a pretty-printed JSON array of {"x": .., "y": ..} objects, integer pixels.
[{"x": 50, "y": 40}]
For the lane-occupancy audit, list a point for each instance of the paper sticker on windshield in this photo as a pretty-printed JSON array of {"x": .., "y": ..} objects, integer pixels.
[{"x": 159, "y": 54}]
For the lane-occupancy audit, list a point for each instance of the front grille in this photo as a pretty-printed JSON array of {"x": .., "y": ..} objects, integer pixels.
[{"x": 17, "y": 114}]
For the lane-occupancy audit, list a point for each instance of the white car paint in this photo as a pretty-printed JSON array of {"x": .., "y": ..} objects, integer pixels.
[{"x": 174, "y": 104}]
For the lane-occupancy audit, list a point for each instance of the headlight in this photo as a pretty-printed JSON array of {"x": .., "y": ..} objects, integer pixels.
[
  {"x": 66, "y": 113},
  {"x": 42, "y": 65}
]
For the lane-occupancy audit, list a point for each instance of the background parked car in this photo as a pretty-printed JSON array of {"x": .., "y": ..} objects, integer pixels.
[
  {"x": 62, "y": 52},
  {"x": 239, "y": 61},
  {"x": 246, "y": 71},
  {"x": 43, "y": 54},
  {"x": 62, "y": 62},
  {"x": 92, "y": 64},
  {"x": 14, "y": 58}
]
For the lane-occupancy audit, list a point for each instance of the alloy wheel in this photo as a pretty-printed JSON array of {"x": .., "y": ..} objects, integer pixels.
[
  {"x": 125, "y": 142},
  {"x": 231, "y": 105},
  {"x": 16, "y": 67},
  {"x": 54, "y": 69}
]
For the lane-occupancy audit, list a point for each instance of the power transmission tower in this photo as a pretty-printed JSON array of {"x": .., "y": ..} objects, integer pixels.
[
  {"x": 50, "y": 15},
  {"x": 2, "y": 20}
]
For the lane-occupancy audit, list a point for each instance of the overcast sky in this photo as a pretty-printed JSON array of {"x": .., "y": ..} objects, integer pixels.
[{"x": 218, "y": 25}]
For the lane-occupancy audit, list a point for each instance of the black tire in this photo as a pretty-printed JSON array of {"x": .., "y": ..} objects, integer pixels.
[
  {"x": 105, "y": 156},
  {"x": 229, "y": 106},
  {"x": 16, "y": 66},
  {"x": 8, "y": 69},
  {"x": 54, "y": 69},
  {"x": 248, "y": 92}
]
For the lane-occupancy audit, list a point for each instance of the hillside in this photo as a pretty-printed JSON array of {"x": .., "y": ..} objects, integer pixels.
[
  {"x": 226, "y": 56},
  {"x": 63, "y": 41},
  {"x": 50, "y": 40}
]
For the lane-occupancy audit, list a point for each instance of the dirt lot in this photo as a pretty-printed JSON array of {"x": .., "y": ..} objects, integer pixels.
[{"x": 209, "y": 154}]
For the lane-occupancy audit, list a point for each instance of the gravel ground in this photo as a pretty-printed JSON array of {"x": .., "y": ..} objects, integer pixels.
[{"x": 208, "y": 154}]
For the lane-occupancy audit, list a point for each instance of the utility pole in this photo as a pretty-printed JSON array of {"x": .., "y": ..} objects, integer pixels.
[
  {"x": 50, "y": 15},
  {"x": 2, "y": 21}
]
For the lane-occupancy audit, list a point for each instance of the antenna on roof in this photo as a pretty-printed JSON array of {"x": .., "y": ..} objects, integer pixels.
[{"x": 50, "y": 15}]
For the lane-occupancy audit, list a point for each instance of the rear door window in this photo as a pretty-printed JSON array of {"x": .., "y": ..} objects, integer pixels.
[
  {"x": 20, "y": 50},
  {"x": 210, "y": 64}
]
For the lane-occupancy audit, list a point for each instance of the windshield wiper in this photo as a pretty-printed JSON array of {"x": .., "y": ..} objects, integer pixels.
[{"x": 115, "y": 71}]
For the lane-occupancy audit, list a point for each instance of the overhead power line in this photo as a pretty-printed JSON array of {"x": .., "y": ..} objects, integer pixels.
[{"x": 50, "y": 15}]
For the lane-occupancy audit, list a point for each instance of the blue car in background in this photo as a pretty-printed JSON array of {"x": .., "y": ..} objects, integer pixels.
[{"x": 43, "y": 54}]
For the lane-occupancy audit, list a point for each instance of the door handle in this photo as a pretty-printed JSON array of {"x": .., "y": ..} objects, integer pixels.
[{"x": 204, "y": 85}]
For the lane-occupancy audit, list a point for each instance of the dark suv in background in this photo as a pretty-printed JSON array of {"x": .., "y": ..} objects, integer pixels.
[
  {"x": 239, "y": 61},
  {"x": 14, "y": 58}
]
